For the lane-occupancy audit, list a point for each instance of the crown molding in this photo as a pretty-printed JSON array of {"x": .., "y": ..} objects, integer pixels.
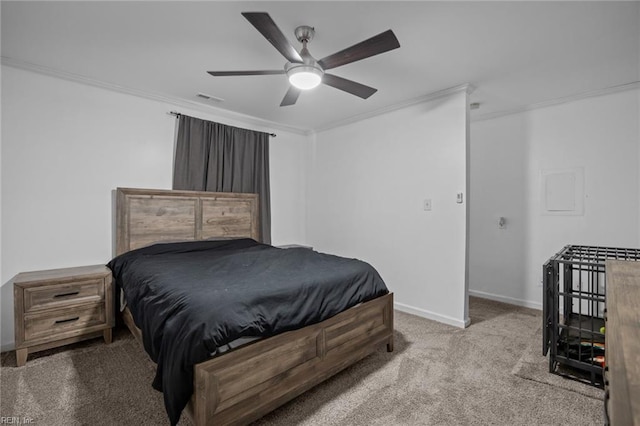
[
  {"x": 467, "y": 88},
  {"x": 558, "y": 101},
  {"x": 231, "y": 115}
]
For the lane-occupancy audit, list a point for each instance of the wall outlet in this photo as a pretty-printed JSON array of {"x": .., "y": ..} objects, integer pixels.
[{"x": 427, "y": 204}]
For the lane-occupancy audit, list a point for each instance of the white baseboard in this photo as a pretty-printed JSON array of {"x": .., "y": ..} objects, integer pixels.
[
  {"x": 431, "y": 315},
  {"x": 506, "y": 299},
  {"x": 7, "y": 347}
]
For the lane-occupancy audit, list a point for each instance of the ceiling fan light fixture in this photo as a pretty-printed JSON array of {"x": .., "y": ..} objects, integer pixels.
[
  {"x": 305, "y": 77},
  {"x": 302, "y": 69}
]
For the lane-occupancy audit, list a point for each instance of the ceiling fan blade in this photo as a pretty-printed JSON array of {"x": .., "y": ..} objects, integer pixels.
[
  {"x": 381, "y": 43},
  {"x": 348, "y": 86},
  {"x": 233, "y": 73},
  {"x": 265, "y": 25},
  {"x": 291, "y": 96}
]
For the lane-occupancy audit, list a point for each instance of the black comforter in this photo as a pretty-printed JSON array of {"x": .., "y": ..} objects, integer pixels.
[{"x": 192, "y": 298}]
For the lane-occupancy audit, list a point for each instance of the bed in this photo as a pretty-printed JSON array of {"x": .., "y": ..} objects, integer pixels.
[{"x": 243, "y": 384}]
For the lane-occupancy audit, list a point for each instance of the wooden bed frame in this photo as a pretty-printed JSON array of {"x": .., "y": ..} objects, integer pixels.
[{"x": 245, "y": 384}]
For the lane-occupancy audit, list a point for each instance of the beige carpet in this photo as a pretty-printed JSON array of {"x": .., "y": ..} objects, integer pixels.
[
  {"x": 438, "y": 375},
  {"x": 533, "y": 366}
]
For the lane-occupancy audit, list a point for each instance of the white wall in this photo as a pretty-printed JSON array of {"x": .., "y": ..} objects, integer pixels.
[
  {"x": 66, "y": 146},
  {"x": 599, "y": 134},
  {"x": 288, "y": 164},
  {"x": 366, "y": 192}
]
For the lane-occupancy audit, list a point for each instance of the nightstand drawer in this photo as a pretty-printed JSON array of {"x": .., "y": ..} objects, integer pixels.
[
  {"x": 63, "y": 294},
  {"x": 51, "y": 323}
]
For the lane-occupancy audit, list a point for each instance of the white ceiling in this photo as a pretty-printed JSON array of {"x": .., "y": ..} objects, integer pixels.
[{"x": 515, "y": 54}]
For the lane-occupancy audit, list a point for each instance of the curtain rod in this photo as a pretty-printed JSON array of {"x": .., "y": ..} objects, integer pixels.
[{"x": 177, "y": 114}]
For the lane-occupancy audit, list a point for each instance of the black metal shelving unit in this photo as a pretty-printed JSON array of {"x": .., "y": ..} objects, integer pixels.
[{"x": 574, "y": 308}]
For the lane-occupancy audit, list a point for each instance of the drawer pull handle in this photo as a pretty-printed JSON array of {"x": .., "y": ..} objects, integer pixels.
[
  {"x": 67, "y": 320},
  {"x": 71, "y": 293}
]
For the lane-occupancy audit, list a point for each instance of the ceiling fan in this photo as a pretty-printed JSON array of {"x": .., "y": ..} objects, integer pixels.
[{"x": 303, "y": 71}]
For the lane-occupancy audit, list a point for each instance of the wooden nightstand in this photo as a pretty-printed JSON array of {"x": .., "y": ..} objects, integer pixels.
[{"x": 61, "y": 306}]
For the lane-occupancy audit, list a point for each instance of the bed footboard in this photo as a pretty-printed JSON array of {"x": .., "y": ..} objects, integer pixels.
[{"x": 247, "y": 383}]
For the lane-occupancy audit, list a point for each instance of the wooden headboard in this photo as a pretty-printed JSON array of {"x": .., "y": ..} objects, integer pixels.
[{"x": 146, "y": 216}]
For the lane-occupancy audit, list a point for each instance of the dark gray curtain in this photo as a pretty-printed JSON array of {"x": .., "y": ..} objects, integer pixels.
[{"x": 219, "y": 158}]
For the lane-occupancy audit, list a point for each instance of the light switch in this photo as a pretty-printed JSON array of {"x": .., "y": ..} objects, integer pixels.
[{"x": 427, "y": 204}]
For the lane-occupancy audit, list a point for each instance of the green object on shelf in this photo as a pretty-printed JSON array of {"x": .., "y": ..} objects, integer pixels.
[{"x": 602, "y": 330}]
